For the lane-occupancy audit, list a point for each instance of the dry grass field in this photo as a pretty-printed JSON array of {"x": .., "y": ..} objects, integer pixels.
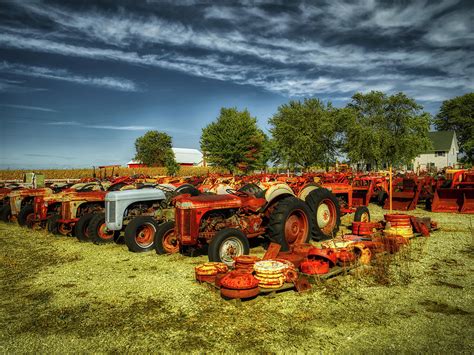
[{"x": 59, "y": 295}]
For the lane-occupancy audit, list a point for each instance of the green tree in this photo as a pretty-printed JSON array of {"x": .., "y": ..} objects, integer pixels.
[
  {"x": 172, "y": 166},
  {"x": 234, "y": 141},
  {"x": 306, "y": 133},
  {"x": 154, "y": 149},
  {"x": 457, "y": 114},
  {"x": 385, "y": 129}
]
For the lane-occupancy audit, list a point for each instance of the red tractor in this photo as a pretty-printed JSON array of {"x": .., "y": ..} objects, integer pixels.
[{"x": 225, "y": 223}]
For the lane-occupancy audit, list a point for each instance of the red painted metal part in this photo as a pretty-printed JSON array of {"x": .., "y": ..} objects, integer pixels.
[
  {"x": 328, "y": 254},
  {"x": 398, "y": 220},
  {"x": 239, "y": 280},
  {"x": 315, "y": 267},
  {"x": 292, "y": 257},
  {"x": 302, "y": 249},
  {"x": 364, "y": 228},
  {"x": 237, "y": 294},
  {"x": 272, "y": 251}
]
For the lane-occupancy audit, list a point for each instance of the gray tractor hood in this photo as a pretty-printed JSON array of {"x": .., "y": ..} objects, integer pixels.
[{"x": 116, "y": 202}]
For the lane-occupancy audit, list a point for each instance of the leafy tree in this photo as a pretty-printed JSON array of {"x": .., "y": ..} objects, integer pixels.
[
  {"x": 306, "y": 133},
  {"x": 154, "y": 149},
  {"x": 234, "y": 141},
  {"x": 172, "y": 166},
  {"x": 386, "y": 129},
  {"x": 457, "y": 114}
]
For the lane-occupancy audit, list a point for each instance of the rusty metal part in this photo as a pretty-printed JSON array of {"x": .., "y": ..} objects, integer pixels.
[
  {"x": 239, "y": 280},
  {"x": 365, "y": 228},
  {"x": 290, "y": 275},
  {"x": 206, "y": 278},
  {"x": 302, "y": 249},
  {"x": 211, "y": 268},
  {"x": 327, "y": 254},
  {"x": 345, "y": 256},
  {"x": 315, "y": 267},
  {"x": 292, "y": 257},
  {"x": 272, "y": 251},
  {"x": 362, "y": 252},
  {"x": 238, "y": 294},
  {"x": 302, "y": 284}
]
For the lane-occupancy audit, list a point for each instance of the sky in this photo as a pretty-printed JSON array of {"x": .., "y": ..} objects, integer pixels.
[{"x": 81, "y": 80}]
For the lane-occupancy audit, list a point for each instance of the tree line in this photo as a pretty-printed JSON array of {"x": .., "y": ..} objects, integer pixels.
[{"x": 374, "y": 128}]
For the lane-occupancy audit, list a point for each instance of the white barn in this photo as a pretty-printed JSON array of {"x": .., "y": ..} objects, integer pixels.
[
  {"x": 444, "y": 153},
  {"x": 183, "y": 156}
]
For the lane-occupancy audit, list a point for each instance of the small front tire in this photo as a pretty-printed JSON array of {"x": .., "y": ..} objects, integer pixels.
[
  {"x": 140, "y": 234},
  {"x": 165, "y": 239},
  {"x": 228, "y": 244}
]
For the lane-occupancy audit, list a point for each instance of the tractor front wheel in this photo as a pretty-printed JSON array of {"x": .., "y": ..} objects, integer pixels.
[
  {"x": 26, "y": 214},
  {"x": 362, "y": 214},
  {"x": 326, "y": 212},
  {"x": 97, "y": 230},
  {"x": 140, "y": 234},
  {"x": 165, "y": 239},
  {"x": 228, "y": 244},
  {"x": 290, "y": 223},
  {"x": 80, "y": 229}
]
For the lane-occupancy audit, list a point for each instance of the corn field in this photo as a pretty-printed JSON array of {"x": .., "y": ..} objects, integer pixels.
[{"x": 84, "y": 173}]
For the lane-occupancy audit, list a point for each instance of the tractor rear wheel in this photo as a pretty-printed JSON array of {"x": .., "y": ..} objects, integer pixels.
[
  {"x": 6, "y": 213},
  {"x": 326, "y": 212},
  {"x": 52, "y": 224},
  {"x": 362, "y": 214},
  {"x": 290, "y": 223},
  {"x": 25, "y": 215},
  {"x": 227, "y": 244},
  {"x": 80, "y": 229},
  {"x": 97, "y": 230},
  {"x": 140, "y": 234},
  {"x": 165, "y": 239}
]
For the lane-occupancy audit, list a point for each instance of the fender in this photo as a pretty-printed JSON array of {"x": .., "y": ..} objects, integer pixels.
[
  {"x": 277, "y": 190},
  {"x": 116, "y": 202},
  {"x": 306, "y": 190}
]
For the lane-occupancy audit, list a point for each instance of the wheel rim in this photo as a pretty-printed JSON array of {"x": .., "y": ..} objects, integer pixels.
[
  {"x": 104, "y": 233},
  {"x": 296, "y": 227},
  {"x": 170, "y": 242},
  {"x": 365, "y": 217},
  {"x": 145, "y": 235},
  {"x": 230, "y": 248},
  {"x": 326, "y": 216}
]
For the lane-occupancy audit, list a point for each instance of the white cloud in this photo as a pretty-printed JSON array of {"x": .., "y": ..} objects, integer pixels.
[
  {"x": 32, "y": 108},
  {"x": 111, "y": 127},
  {"x": 119, "y": 84}
]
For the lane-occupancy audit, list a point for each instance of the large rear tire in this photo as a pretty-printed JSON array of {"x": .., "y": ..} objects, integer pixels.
[
  {"x": 227, "y": 244},
  {"x": 97, "y": 230},
  {"x": 6, "y": 213},
  {"x": 25, "y": 215},
  {"x": 80, "y": 229},
  {"x": 165, "y": 239},
  {"x": 140, "y": 234},
  {"x": 326, "y": 212},
  {"x": 290, "y": 223}
]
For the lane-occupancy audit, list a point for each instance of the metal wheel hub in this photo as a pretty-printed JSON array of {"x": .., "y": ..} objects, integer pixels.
[
  {"x": 296, "y": 227},
  {"x": 230, "y": 248},
  {"x": 323, "y": 215},
  {"x": 104, "y": 233},
  {"x": 145, "y": 235}
]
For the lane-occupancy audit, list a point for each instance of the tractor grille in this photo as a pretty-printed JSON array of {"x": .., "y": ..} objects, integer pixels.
[
  {"x": 183, "y": 222},
  {"x": 65, "y": 210},
  {"x": 110, "y": 208}
]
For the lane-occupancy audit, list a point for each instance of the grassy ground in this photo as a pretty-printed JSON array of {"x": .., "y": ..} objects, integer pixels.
[{"x": 60, "y": 295}]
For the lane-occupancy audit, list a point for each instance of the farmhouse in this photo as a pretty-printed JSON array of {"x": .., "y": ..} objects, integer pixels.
[
  {"x": 444, "y": 153},
  {"x": 184, "y": 157}
]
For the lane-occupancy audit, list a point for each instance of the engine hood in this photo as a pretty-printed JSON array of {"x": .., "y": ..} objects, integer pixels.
[{"x": 135, "y": 195}]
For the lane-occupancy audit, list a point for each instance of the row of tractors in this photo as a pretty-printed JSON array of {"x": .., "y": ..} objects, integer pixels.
[{"x": 218, "y": 213}]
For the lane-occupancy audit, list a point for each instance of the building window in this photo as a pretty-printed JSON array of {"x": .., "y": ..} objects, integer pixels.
[{"x": 440, "y": 154}]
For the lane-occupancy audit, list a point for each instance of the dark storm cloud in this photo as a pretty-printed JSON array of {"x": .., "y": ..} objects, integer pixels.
[{"x": 304, "y": 49}]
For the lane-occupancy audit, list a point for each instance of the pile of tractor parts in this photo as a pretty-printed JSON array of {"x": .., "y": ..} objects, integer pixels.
[{"x": 306, "y": 264}]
